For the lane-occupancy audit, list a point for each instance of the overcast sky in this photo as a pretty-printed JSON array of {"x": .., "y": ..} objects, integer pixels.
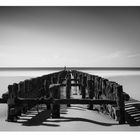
[{"x": 70, "y": 36}]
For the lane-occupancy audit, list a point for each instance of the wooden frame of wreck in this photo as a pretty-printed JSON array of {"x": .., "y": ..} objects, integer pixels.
[{"x": 99, "y": 93}]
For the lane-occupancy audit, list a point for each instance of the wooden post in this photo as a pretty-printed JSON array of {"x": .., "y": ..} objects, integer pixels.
[
  {"x": 84, "y": 84},
  {"x": 25, "y": 95},
  {"x": 51, "y": 79},
  {"x": 121, "y": 105},
  {"x": 31, "y": 87},
  {"x": 28, "y": 88},
  {"x": 55, "y": 93},
  {"x": 12, "y": 108},
  {"x": 17, "y": 106},
  {"x": 93, "y": 84},
  {"x": 30, "y": 92},
  {"x": 20, "y": 89},
  {"x": 21, "y": 94},
  {"x": 91, "y": 93},
  {"x": 11, "y": 103},
  {"x": 98, "y": 88},
  {"x": 46, "y": 85},
  {"x": 61, "y": 80},
  {"x": 68, "y": 88},
  {"x": 75, "y": 76},
  {"x": 54, "y": 79},
  {"x": 25, "y": 89},
  {"x": 80, "y": 81}
]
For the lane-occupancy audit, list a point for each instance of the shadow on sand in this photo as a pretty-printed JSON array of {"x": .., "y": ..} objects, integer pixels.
[
  {"x": 71, "y": 119},
  {"x": 42, "y": 118},
  {"x": 32, "y": 118},
  {"x": 38, "y": 119},
  {"x": 132, "y": 114}
]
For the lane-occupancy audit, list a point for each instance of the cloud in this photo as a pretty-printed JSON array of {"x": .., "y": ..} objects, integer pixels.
[
  {"x": 134, "y": 55},
  {"x": 116, "y": 54},
  {"x": 123, "y": 54}
]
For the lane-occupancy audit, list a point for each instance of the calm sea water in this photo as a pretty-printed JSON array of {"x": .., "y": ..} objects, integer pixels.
[
  {"x": 129, "y": 79},
  {"x": 103, "y": 73}
]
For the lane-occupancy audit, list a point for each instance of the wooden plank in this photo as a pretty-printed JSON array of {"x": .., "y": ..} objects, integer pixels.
[
  {"x": 74, "y": 79},
  {"x": 72, "y": 84},
  {"x": 65, "y": 101},
  {"x": 75, "y": 84},
  {"x": 2, "y": 101},
  {"x": 34, "y": 100},
  {"x": 83, "y": 101}
]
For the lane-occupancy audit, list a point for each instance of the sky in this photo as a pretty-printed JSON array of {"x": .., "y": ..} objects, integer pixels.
[{"x": 69, "y": 36}]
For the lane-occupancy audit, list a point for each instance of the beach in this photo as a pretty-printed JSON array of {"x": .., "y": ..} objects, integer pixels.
[{"x": 75, "y": 118}]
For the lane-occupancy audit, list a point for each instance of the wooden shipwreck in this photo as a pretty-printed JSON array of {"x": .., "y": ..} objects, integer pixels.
[{"x": 97, "y": 92}]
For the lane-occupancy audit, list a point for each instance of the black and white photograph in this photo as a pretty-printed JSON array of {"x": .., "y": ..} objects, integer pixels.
[{"x": 69, "y": 68}]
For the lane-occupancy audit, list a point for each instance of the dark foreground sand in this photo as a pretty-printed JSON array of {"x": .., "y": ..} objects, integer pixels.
[{"x": 75, "y": 118}]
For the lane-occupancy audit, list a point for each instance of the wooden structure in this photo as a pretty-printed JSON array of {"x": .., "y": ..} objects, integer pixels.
[{"x": 98, "y": 93}]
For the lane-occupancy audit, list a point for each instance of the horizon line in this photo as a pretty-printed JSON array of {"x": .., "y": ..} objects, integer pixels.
[{"x": 69, "y": 68}]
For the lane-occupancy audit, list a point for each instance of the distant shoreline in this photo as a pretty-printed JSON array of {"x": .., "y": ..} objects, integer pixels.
[{"x": 61, "y": 68}]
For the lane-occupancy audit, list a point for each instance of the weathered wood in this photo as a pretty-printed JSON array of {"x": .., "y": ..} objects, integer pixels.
[
  {"x": 11, "y": 94},
  {"x": 106, "y": 90},
  {"x": 2, "y": 101},
  {"x": 74, "y": 79},
  {"x": 68, "y": 87},
  {"x": 55, "y": 93},
  {"x": 121, "y": 105},
  {"x": 95, "y": 90},
  {"x": 126, "y": 96},
  {"x": 91, "y": 93},
  {"x": 65, "y": 101},
  {"x": 4, "y": 98},
  {"x": 83, "y": 101},
  {"x": 72, "y": 84},
  {"x": 11, "y": 104},
  {"x": 83, "y": 88},
  {"x": 17, "y": 107}
]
